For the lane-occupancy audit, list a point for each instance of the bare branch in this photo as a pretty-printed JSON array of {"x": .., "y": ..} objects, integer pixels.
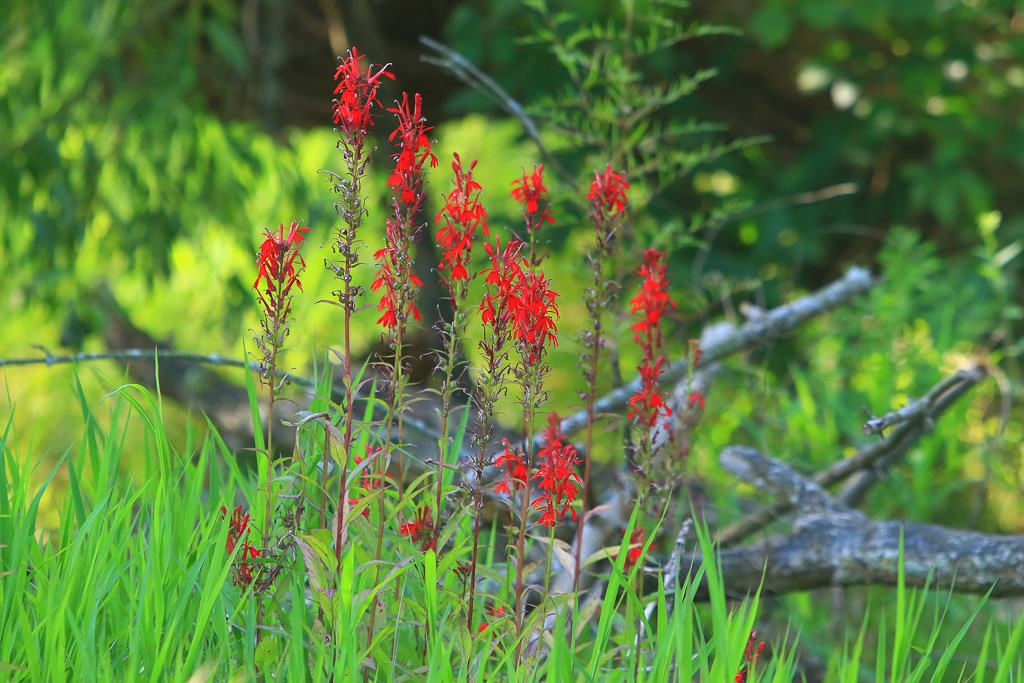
[
  {"x": 772, "y": 324},
  {"x": 469, "y": 74},
  {"x": 832, "y": 545},
  {"x": 869, "y": 459},
  {"x": 851, "y": 550}
]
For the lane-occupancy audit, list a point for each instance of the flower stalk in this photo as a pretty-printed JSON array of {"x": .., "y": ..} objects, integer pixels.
[
  {"x": 607, "y": 212},
  {"x": 353, "y": 117},
  {"x": 458, "y": 220}
]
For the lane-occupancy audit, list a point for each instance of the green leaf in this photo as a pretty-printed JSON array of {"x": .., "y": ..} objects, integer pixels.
[{"x": 320, "y": 561}]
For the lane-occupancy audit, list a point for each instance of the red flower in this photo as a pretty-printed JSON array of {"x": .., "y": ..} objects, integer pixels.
[
  {"x": 530, "y": 190},
  {"x": 752, "y": 655},
  {"x": 553, "y": 436},
  {"x": 635, "y": 553},
  {"x": 462, "y": 214},
  {"x": 277, "y": 258},
  {"x": 649, "y": 402},
  {"x": 515, "y": 469},
  {"x": 534, "y": 320},
  {"x": 608, "y": 191},
  {"x": 421, "y": 529},
  {"x": 390, "y": 260},
  {"x": 494, "y": 613},
  {"x": 696, "y": 397},
  {"x": 504, "y": 274},
  {"x": 357, "y": 93},
  {"x": 652, "y": 299},
  {"x": 238, "y": 531},
  {"x": 414, "y": 149},
  {"x": 558, "y": 479}
]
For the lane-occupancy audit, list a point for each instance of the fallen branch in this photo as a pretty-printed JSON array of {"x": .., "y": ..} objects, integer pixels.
[
  {"x": 773, "y": 324},
  {"x": 869, "y": 460},
  {"x": 832, "y": 545}
]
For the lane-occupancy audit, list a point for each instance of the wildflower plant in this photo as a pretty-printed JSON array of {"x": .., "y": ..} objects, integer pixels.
[
  {"x": 529, "y": 191},
  {"x": 542, "y": 486},
  {"x": 458, "y": 222},
  {"x": 607, "y": 204},
  {"x": 497, "y": 314},
  {"x": 356, "y": 92},
  {"x": 280, "y": 265}
]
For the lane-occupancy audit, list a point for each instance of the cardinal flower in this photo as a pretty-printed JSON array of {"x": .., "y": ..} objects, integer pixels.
[
  {"x": 357, "y": 93},
  {"x": 421, "y": 529},
  {"x": 559, "y": 482},
  {"x": 462, "y": 215},
  {"x": 238, "y": 533}
]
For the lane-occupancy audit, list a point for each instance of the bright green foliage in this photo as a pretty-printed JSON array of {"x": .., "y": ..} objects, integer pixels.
[{"x": 134, "y": 585}]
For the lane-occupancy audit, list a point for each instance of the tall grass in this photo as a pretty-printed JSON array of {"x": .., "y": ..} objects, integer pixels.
[{"x": 134, "y": 584}]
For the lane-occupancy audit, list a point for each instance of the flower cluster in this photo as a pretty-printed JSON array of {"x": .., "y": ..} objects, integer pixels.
[
  {"x": 279, "y": 267},
  {"x": 421, "y": 529},
  {"x": 652, "y": 300},
  {"x": 394, "y": 263},
  {"x": 276, "y": 262},
  {"x": 515, "y": 469},
  {"x": 608, "y": 192},
  {"x": 501, "y": 299},
  {"x": 557, "y": 474},
  {"x": 357, "y": 93},
  {"x": 753, "y": 653},
  {"x": 636, "y": 551},
  {"x": 414, "y": 150},
  {"x": 396, "y": 303},
  {"x": 529, "y": 190},
  {"x": 649, "y": 402},
  {"x": 462, "y": 214},
  {"x": 238, "y": 534},
  {"x": 534, "y": 318},
  {"x": 494, "y": 612}
]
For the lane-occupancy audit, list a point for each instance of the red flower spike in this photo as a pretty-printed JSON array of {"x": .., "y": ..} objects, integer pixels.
[
  {"x": 277, "y": 257},
  {"x": 652, "y": 299},
  {"x": 388, "y": 259},
  {"x": 505, "y": 273},
  {"x": 515, "y": 475},
  {"x": 559, "y": 481},
  {"x": 534, "y": 320},
  {"x": 238, "y": 531},
  {"x": 462, "y": 214},
  {"x": 696, "y": 397},
  {"x": 414, "y": 150},
  {"x": 752, "y": 655},
  {"x": 357, "y": 93},
  {"x": 649, "y": 403},
  {"x": 608, "y": 191},
  {"x": 636, "y": 553},
  {"x": 529, "y": 190},
  {"x": 421, "y": 529}
]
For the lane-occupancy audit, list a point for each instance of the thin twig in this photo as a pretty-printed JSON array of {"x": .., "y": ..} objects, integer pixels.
[
  {"x": 772, "y": 324},
  {"x": 472, "y": 76}
]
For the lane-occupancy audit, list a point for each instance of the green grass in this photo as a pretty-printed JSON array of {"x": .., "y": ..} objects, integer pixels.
[{"x": 135, "y": 584}]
